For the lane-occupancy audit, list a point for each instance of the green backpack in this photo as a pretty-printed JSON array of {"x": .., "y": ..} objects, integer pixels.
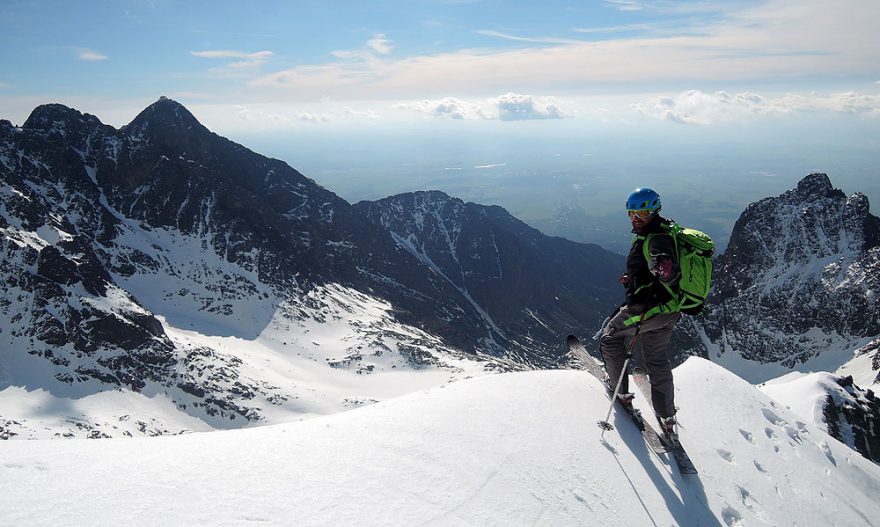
[{"x": 695, "y": 249}]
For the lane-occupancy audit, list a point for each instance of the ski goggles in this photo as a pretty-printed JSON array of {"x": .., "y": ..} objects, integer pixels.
[{"x": 643, "y": 214}]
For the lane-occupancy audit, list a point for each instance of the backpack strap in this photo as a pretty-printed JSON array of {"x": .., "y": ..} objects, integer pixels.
[
  {"x": 674, "y": 305},
  {"x": 669, "y": 307}
]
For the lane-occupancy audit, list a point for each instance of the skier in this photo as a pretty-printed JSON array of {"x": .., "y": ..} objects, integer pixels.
[{"x": 646, "y": 313}]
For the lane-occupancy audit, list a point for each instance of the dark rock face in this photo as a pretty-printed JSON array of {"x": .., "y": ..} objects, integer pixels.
[
  {"x": 103, "y": 229},
  {"x": 528, "y": 288},
  {"x": 800, "y": 276},
  {"x": 799, "y": 283},
  {"x": 853, "y": 418}
]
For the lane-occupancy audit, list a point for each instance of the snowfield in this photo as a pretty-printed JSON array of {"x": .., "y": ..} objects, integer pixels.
[
  {"x": 508, "y": 449},
  {"x": 329, "y": 352}
]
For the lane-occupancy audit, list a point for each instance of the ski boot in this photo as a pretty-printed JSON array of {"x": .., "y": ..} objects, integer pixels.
[
  {"x": 625, "y": 399},
  {"x": 668, "y": 429}
]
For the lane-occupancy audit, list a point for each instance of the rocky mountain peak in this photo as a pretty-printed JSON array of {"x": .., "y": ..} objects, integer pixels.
[
  {"x": 435, "y": 195},
  {"x": 432, "y": 198},
  {"x": 812, "y": 221},
  {"x": 816, "y": 185},
  {"x": 61, "y": 119},
  {"x": 798, "y": 279},
  {"x": 166, "y": 121}
]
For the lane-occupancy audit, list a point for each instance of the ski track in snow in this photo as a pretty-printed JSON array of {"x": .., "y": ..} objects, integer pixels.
[{"x": 509, "y": 449}]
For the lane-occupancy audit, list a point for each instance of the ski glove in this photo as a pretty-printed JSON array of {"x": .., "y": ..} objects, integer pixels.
[{"x": 661, "y": 266}]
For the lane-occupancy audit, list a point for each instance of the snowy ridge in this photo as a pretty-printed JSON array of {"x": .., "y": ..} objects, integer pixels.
[
  {"x": 524, "y": 287},
  {"x": 220, "y": 341},
  {"x": 209, "y": 235},
  {"x": 513, "y": 449},
  {"x": 178, "y": 315}
]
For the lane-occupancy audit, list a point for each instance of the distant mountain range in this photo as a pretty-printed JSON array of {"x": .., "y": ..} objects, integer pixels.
[
  {"x": 115, "y": 239},
  {"x": 165, "y": 261}
]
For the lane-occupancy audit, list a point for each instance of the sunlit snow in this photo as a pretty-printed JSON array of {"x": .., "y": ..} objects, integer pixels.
[{"x": 510, "y": 449}]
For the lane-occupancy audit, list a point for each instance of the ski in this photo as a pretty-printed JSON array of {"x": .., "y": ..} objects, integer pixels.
[
  {"x": 673, "y": 445},
  {"x": 589, "y": 363}
]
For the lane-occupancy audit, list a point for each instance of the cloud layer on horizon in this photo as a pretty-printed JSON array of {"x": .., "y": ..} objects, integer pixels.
[
  {"x": 701, "y": 108},
  {"x": 507, "y": 107}
]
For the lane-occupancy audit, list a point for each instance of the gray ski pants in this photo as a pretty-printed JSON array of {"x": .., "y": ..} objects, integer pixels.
[{"x": 654, "y": 339}]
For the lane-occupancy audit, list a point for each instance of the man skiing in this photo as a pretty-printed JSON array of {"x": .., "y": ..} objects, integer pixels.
[{"x": 649, "y": 311}]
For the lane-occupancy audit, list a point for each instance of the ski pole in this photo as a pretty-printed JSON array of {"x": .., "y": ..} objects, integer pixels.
[{"x": 605, "y": 425}]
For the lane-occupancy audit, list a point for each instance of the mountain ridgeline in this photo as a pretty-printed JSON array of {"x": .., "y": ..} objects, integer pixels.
[
  {"x": 796, "y": 290},
  {"x": 132, "y": 257},
  {"x": 798, "y": 280},
  {"x": 501, "y": 265},
  {"x": 110, "y": 236}
]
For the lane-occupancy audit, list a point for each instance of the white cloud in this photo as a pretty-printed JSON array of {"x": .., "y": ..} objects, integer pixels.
[
  {"x": 537, "y": 40},
  {"x": 449, "y": 107},
  {"x": 361, "y": 114},
  {"x": 225, "y": 54},
  {"x": 274, "y": 119},
  {"x": 626, "y": 5},
  {"x": 223, "y": 117},
  {"x": 778, "y": 40},
  {"x": 701, "y": 108},
  {"x": 695, "y": 107},
  {"x": 614, "y": 29},
  {"x": 513, "y": 107},
  {"x": 90, "y": 56},
  {"x": 380, "y": 44},
  {"x": 311, "y": 118},
  {"x": 247, "y": 114},
  {"x": 845, "y": 102},
  {"x": 245, "y": 59},
  {"x": 508, "y": 107},
  {"x": 345, "y": 54}
]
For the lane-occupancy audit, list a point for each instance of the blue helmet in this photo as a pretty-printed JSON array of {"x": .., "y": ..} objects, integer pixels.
[{"x": 643, "y": 198}]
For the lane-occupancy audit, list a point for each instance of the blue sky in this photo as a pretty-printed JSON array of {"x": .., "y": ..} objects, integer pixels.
[{"x": 529, "y": 105}]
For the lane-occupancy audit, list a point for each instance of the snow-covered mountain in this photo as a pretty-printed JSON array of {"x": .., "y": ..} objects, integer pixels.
[
  {"x": 797, "y": 286},
  {"x": 159, "y": 279},
  {"x": 163, "y": 264},
  {"x": 511, "y": 273},
  {"x": 513, "y": 449},
  {"x": 796, "y": 290}
]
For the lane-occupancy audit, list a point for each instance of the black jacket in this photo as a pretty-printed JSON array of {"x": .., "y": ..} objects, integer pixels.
[{"x": 644, "y": 290}]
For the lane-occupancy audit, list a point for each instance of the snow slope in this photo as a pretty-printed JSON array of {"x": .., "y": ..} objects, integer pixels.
[
  {"x": 329, "y": 351},
  {"x": 510, "y": 449}
]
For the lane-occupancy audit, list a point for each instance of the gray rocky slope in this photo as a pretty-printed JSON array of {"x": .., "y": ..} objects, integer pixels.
[
  {"x": 797, "y": 290},
  {"x": 110, "y": 235}
]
